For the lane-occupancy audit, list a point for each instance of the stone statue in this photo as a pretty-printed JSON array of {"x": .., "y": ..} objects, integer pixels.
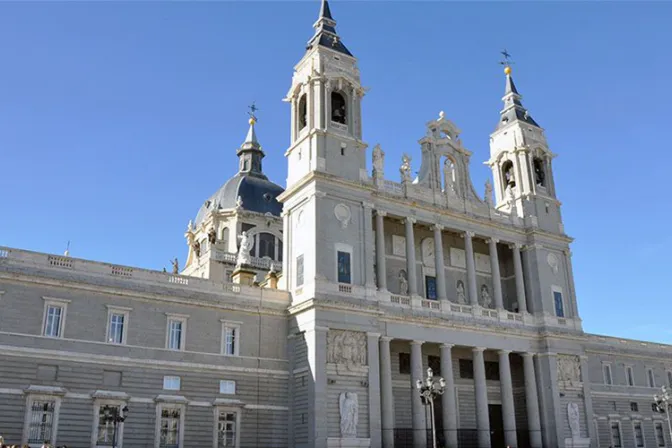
[
  {"x": 176, "y": 266},
  {"x": 403, "y": 283},
  {"x": 190, "y": 226},
  {"x": 405, "y": 168},
  {"x": 349, "y": 407},
  {"x": 574, "y": 420},
  {"x": 197, "y": 248},
  {"x": 378, "y": 160},
  {"x": 346, "y": 348},
  {"x": 239, "y": 203},
  {"x": 509, "y": 194},
  {"x": 246, "y": 243},
  {"x": 449, "y": 176},
  {"x": 212, "y": 236},
  {"x": 486, "y": 300},
  {"x": 569, "y": 368},
  {"x": 461, "y": 297},
  {"x": 488, "y": 193}
]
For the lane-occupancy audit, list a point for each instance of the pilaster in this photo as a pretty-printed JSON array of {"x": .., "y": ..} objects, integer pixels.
[{"x": 374, "y": 389}]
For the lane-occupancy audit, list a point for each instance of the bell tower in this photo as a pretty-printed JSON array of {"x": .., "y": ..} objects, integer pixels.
[
  {"x": 521, "y": 163},
  {"x": 325, "y": 98}
]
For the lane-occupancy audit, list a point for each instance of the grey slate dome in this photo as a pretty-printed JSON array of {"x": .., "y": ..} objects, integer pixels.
[{"x": 257, "y": 193}]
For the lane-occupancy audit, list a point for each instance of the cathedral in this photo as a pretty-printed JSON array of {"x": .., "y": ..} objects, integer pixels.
[{"x": 351, "y": 308}]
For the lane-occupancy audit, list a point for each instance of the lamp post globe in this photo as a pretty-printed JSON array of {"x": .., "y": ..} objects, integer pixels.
[{"x": 429, "y": 389}]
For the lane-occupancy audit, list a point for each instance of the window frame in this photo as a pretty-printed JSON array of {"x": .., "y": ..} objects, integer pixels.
[
  {"x": 30, "y": 399},
  {"x": 60, "y": 303},
  {"x": 427, "y": 289},
  {"x": 607, "y": 365},
  {"x": 636, "y": 423},
  {"x": 172, "y": 377},
  {"x": 556, "y": 289},
  {"x": 157, "y": 427},
  {"x": 99, "y": 403},
  {"x": 112, "y": 310},
  {"x": 344, "y": 248},
  {"x": 620, "y": 433},
  {"x": 222, "y": 382},
  {"x": 668, "y": 374},
  {"x": 650, "y": 377},
  {"x": 226, "y": 324},
  {"x": 170, "y": 317},
  {"x": 658, "y": 425},
  {"x": 630, "y": 375},
  {"x": 217, "y": 410}
]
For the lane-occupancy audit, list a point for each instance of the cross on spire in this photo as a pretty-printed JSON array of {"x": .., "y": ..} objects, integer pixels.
[
  {"x": 507, "y": 58},
  {"x": 253, "y": 108}
]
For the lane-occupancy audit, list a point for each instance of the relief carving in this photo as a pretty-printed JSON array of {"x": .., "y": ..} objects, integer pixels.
[
  {"x": 343, "y": 214},
  {"x": 349, "y": 409},
  {"x": 574, "y": 420},
  {"x": 569, "y": 368},
  {"x": 399, "y": 245},
  {"x": 427, "y": 247},
  {"x": 347, "y": 348}
]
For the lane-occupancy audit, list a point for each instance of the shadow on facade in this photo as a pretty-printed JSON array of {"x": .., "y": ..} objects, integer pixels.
[{"x": 466, "y": 438}]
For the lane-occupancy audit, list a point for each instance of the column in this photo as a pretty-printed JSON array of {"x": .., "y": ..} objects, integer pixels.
[
  {"x": 520, "y": 283},
  {"x": 386, "y": 397},
  {"x": 471, "y": 268},
  {"x": 496, "y": 277},
  {"x": 481, "y": 389},
  {"x": 439, "y": 264},
  {"x": 368, "y": 245},
  {"x": 448, "y": 400},
  {"x": 381, "y": 272},
  {"x": 532, "y": 401},
  {"x": 417, "y": 408},
  {"x": 506, "y": 388},
  {"x": 411, "y": 268},
  {"x": 373, "y": 358}
]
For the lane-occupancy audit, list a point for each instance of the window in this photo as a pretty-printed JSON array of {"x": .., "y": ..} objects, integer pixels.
[
  {"x": 105, "y": 427},
  {"x": 405, "y": 363},
  {"x": 634, "y": 407},
  {"x": 227, "y": 387},
  {"x": 430, "y": 287},
  {"x": 344, "y": 273},
  {"x": 170, "y": 429},
  {"x": 660, "y": 434},
  {"x": 559, "y": 305},
  {"x": 117, "y": 323},
  {"x": 466, "y": 369},
  {"x": 539, "y": 174},
  {"x": 227, "y": 428},
  {"x": 171, "y": 383},
  {"x": 230, "y": 338},
  {"x": 225, "y": 238},
  {"x": 53, "y": 320},
  {"x": 434, "y": 363},
  {"x": 492, "y": 370},
  {"x": 299, "y": 270},
  {"x": 507, "y": 175},
  {"x": 669, "y": 379},
  {"x": 606, "y": 372},
  {"x": 629, "y": 376},
  {"x": 303, "y": 112},
  {"x": 651, "y": 378},
  {"x": 42, "y": 421},
  {"x": 267, "y": 245},
  {"x": 639, "y": 436},
  {"x": 176, "y": 331},
  {"x": 338, "y": 110},
  {"x": 616, "y": 435}
]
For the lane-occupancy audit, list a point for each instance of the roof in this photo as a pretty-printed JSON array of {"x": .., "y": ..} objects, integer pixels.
[
  {"x": 325, "y": 32},
  {"x": 513, "y": 106}
]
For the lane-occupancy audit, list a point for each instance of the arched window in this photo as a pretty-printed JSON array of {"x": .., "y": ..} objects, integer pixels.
[
  {"x": 338, "y": 109},
  {"x": 225, "y": 237},
  {"x": 508, "y": 175},
  {"x": 303, "y": 112},
  {"x": 267, "y": 245},
  {"x": 539, "y": 172}
]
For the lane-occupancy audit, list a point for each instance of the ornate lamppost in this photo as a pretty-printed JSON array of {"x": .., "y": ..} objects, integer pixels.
[
  {"x": 662, "y": 403},
  {"x": 429, "y": 389},
  {"x": 111, "y": 414}
]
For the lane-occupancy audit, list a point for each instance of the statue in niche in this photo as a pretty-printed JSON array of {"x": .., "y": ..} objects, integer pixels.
[
  {"x": 509, "y": 176},
  {"x": 346, "y": 348},
  {"x": 176, "y": 266},
  {"x": 349, "y": 408},
  {"x": 461, "y": 297},
  {"x": 488, "y": 193},
  {"x": 246, "y": 243},
  {"x": 486, "y": 300},
  {"x": 405, "y": 168},
  {"x": 197, "y": 248},
  {"x": 449, "y": 176},
  {"x": 574, "y": 420},
  {"x": 403, "y": 283},
  {"x": 569, "y": 368},
  {"x": 378, "y": 160},
  {"x": 212, "y": 235}
]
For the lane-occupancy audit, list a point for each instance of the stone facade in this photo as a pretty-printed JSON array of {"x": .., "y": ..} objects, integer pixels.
[{"x": 377, "y": 281}]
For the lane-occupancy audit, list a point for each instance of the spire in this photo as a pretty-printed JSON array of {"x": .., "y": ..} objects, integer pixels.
[
  {"x": 250, "y": 153},
  {"x": 325, "y": 32},
  {"x": 513, "y": 107}
]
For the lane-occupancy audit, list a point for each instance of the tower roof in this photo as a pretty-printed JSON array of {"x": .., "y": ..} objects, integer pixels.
[
  {"x": 513, "y": 106},
  {"x": 325, "y": 32}
]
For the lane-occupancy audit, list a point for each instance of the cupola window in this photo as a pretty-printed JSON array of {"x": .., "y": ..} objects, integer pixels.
[
  {"x": 303, "y": 112},
  {"x": 539, "y": 173},
  {"x": 338, "y": 109}
]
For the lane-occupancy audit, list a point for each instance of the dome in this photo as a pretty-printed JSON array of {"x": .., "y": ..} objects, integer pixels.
[{"x": 257, "y": 193}]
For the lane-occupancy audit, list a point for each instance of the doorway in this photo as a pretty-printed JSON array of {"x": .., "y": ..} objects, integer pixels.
[{"x": 496, "y": 425}]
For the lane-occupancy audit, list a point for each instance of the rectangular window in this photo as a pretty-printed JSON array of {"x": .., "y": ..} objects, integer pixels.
[
  {"x": 230, "y": 338},
  {"x": 669, "y": 379},
  {"x": 171, "y": 383},
  {"x": 650, "y": 376},
  {"x": 41, "y": 422},
  {"x": 434, "y": 363},
  {"x": 106, "y": 425},
  {"x": 53, "y": 321},
  {"x": 405, "y": 363},
  {"x": 116, "y": 326},
  {"x": 606, "y": 371},
  {"x": 226, "y": 428},
  {"x": 299, "y": 270},
  {"x": 559, "y": 305},
  {"x": 639, "y": 436},
  {"x": 634, "y": 407},
  {"x": 492, "y": 370},
  {"x": 660, "y": 434},
  {"x": 629, "y": 376},
  {"x": 466, "y": 369},
  {"x": 616, "y": 435},
  {"x": 169, "y": 436},
  {"x": 344, "y": 272},
  {"x": 430, "y": 287},
  {"x": 227, "y": 387},
  {"x": 176, "y": 331}
]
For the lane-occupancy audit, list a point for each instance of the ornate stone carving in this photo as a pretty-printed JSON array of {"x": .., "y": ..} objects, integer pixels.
[
  {"x": 486, "y": 300},
  {"x": 569, "y": 368},
  {"x": 405, "y": 169},
  {"x": 246, "y": 243},
  {"x": 574, "y": 420},
  {"x": 403, "y": 283},
  {"x": 427, "y": 247},
  {"x": 461, "y": 296},
  {"x": 347, "y": 348},
  {"x": 553, "y": 262},
  {"x": 343, "y": 214},
  {"x": 398, "y": 245},
  {"x": 488, "y": 193},
  {"x": 378, "y": 162},
  {"x": 349, "y": 408},
  {"x": 458, "y": 257}
]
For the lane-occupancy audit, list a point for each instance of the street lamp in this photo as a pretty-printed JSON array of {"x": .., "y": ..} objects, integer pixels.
[
  {"x": 429, "y": 389},
  {"x": 112, "y": 415},
  {"x": 662, "y": 402}
]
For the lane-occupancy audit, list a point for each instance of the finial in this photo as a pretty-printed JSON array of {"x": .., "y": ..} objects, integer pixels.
[
  {"x": 253, "y": 118},
  {"x": 507, "y": 62},
  {"x": 442, "y": 115},
  {"x": 67, "y": 250}
]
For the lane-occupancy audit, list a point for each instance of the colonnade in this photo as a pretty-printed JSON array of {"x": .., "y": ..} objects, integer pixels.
[
  {"x": 449, "y": 399},
  {"x": 411, "y": 267}
]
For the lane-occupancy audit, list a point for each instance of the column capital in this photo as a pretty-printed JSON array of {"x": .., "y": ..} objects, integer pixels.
[
  {"x": 504, "y": 352},
  {"x": 527, "y": 354},
  {"x": 478, "y": 349},
  {"x": 446, "y": 345},
  {"x": 436, "y": 227},
  {"x": 367, "y": 204},
  {"x": 382, "y": 213},
  {"x": 372, "y": 334},
  {"x": 469, "y": 233},
  {"x": 492, "y": 240},
  {"x": 410, "y": 219},
  {"x": 417, "y": 342},
  {"x": 386, "y": 338},
  {"x": 514, "y": 246}
]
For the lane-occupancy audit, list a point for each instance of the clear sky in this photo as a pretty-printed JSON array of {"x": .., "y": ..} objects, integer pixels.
[{"x": 119, "y": 119}]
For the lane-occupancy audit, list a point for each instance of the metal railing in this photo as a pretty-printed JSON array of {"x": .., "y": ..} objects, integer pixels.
[{"x": 466, "y": 438}]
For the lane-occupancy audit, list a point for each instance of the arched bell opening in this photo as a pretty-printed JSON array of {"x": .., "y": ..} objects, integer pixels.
[{"x": 338, "y": 108}]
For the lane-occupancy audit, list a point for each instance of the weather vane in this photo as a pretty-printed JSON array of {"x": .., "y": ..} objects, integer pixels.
[
  {"x": 253, "y": 108},
  {"x": 507, "y": 58}
]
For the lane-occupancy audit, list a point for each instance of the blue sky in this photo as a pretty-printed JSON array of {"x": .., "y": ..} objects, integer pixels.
[{"x": 118, "y": 119}]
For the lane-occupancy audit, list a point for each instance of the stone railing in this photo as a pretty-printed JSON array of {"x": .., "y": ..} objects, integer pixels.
[
  {"x": 255, "y": 262},
  {"x": 22, "y": 258}
]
